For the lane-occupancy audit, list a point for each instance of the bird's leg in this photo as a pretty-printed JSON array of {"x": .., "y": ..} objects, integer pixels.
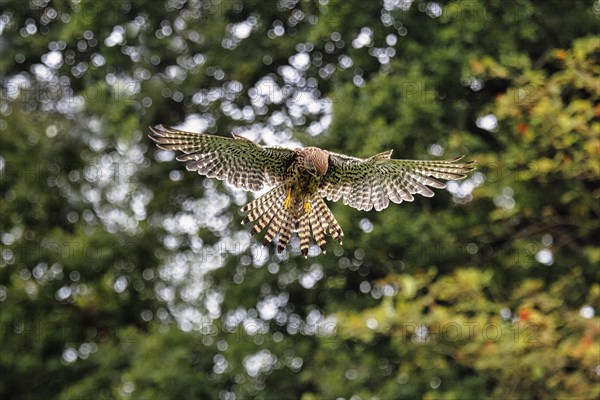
[
  {"x": 288, "y": 199},
  {"x": 307, "y": 207}
]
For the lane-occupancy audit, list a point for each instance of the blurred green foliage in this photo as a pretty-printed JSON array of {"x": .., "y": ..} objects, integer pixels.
[{"x": 123, "y": 276}]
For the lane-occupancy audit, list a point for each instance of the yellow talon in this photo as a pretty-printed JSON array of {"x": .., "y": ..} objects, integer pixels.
[
  {"x": 307, "y": 207},
  {"x": 288, "y": 199}
]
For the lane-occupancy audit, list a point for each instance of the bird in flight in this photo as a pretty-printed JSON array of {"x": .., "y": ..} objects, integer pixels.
[{"x": 302, "y": 177}]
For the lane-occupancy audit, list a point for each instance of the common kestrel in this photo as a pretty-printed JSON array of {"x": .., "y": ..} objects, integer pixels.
[{"x": 302, "y": 178}]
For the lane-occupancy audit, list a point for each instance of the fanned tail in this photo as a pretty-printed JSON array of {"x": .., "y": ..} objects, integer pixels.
[{"x": 268, "y": 212}]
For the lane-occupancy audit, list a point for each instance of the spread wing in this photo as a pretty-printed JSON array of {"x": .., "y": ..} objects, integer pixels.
[
  {"x": 375, "y": 181},
  {"x": 237, "y": 160}
]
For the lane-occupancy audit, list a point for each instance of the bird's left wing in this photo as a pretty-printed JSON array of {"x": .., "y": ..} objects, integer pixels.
[
  {"x": 374, "y": 182},
  {"x": 237, "y": 160}
]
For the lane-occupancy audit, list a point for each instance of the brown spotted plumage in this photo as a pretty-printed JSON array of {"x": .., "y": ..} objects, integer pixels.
[{"x": 302, "y": 178}]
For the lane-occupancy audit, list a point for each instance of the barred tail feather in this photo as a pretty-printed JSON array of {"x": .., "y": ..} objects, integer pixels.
[
  {"x": 318, "y": 231},
  {"x": 287, "y": 228},
  {"x": 276, "y": 224},
  {"x": 265, "y": 219},
  {"x": 327, "y": 217},
  {"x": 304, "y": 233},
  {"x": 264, "y": 211},
  {"x": 260, "y": 205}
]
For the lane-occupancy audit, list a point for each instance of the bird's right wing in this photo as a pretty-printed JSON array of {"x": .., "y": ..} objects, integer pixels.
[
  {"x": 237, "y": 160},
  {"x": 374, "y": 182}
]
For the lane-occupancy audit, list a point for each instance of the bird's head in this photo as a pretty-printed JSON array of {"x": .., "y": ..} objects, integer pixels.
[{"x": 314, "y": 160}]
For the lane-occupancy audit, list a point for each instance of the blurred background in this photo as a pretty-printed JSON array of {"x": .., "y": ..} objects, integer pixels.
[{"x": 124, "y": 276}]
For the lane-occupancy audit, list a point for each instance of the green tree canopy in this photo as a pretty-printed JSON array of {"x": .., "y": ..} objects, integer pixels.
[{"x": 124, "y": 276}]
